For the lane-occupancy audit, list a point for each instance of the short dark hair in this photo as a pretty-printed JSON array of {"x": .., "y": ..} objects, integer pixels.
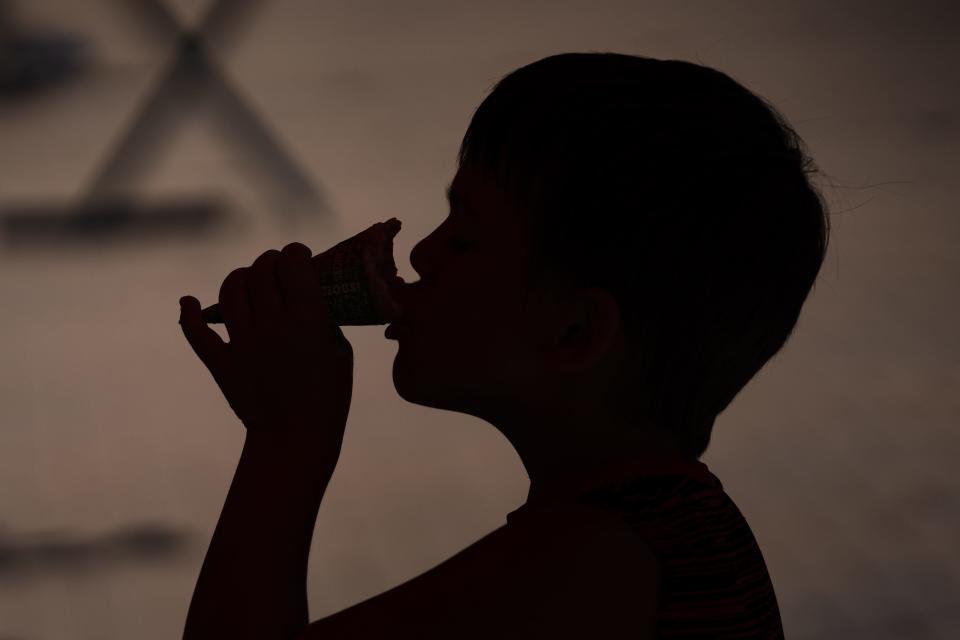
[{"x": 678, "y": 190}]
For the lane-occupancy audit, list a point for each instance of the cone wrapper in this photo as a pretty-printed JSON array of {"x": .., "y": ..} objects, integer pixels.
[{"x": 358, "y": 278}]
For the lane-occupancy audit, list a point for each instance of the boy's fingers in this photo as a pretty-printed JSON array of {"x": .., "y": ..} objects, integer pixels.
[
  {"x": 298, "y": 280},
  {"x": 206, "y": 343},
  {"x": 235, "y": 305},
  {"x": 266, "y": 303}
]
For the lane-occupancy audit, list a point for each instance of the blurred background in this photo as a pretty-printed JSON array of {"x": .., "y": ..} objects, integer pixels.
[{"x": 147, "y": 148}]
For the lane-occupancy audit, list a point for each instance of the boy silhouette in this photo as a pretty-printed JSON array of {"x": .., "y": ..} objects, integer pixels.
[{"x": 629, "y": 241}]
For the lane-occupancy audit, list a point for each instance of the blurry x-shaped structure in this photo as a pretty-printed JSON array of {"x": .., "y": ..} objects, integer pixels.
[{"x": 191, "y": 79}]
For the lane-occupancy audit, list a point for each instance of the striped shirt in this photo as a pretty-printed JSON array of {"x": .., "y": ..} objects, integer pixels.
[{"x": 714, "y": 581}]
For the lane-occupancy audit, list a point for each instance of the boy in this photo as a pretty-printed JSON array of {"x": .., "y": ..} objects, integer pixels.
[{"x": 629, "y": 241}]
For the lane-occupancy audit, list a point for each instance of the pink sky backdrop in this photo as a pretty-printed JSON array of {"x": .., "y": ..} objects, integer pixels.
[{"x": 108, "y": 421}]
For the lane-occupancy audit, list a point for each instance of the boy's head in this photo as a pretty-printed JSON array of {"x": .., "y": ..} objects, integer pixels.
[{"x": 640, "y": 231}]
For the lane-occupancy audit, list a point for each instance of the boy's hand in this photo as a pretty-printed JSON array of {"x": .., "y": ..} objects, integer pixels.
[{"x": 287, "y": 367}]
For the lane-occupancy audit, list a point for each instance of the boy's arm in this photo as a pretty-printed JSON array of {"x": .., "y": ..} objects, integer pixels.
[{"x": 253, "y": 583}]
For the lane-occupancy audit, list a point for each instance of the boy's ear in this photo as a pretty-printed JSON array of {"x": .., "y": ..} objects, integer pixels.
[{"x": 590, "y": 329}]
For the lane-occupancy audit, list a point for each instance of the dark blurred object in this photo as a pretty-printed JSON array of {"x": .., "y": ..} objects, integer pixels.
[
  {"x": 109, "y": 218},
  {"x": 193, "y": 79},
  {"x": 58, "y": 553},
  {"x": 109, "y": 208},
  {"x": 31, "y": 61}
]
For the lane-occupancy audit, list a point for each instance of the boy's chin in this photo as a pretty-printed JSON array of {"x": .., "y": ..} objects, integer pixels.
[{"x": 427, "y": 393}]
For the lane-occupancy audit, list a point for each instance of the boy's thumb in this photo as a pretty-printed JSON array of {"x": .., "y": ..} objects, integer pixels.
[{"x": 206, "y": 342}]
